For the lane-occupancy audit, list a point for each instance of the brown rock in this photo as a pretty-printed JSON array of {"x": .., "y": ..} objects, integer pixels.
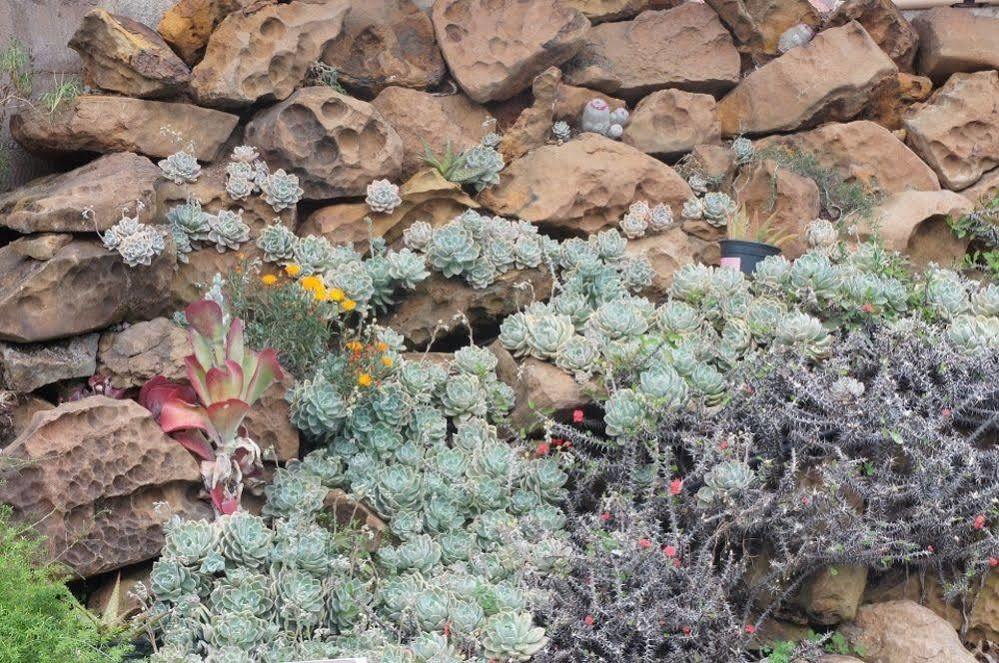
[
  {"x": 269, "y": 426},
  {"x": 429, "y": 311},
  {"x": 669, "y": 251},
  {"x": 188, "y": 24},
  {"x": 40, "y": 247},
  {"x": 599, "y": 11},
  {"x": 892, "y": 101},
  {"x": 426, "y": 196},
  {"x": 262, "y": 55},
  {"x": 89, "y": 473},
  {"x": 833, "y": 594},
  {"x": 953, "y": 40},
  {"x": 669, "y": 123},
  {"x": 495, "y": 48},
  {"x": 142, "y": 351},
  {"x": 915, "y": 223},
  {"x": 124, "y": 56},
  {"x": 349, "y": 511},
  {"x": 571, "y": 100},
  {"x": 713, "y": 162},
  {"x": 598, "y": 178},
  {"x": 985, "y": 189},
  {"x": 193, "y": 278},
  {"x": 686, "y": 48},
  {"x": 957, "y": 132},
  {"x": 534, "y": 124},
  {"x": 440, "y": 121},
  {"x": 861, "y": 152},
  {"x": 115, "y": 595},
  {"x": 758, "y": 24},
  {"x": 89, "y": 286},
  {"x": 386, "y": 42},
  {"x": 904, "y": 632},
  {"x": 21, "y": 415},
  {"x": 786, "y": 201},
  {"x": 884, "y": 22},
  {"x": 24, "y": 368},
  {"x": 335, "y": 144},
  {"x": 830, "y": 79},
  {"x": 92, "y": 123},
  {"x": 55, "y": 203},
  {"x": 984, "y": 619}
]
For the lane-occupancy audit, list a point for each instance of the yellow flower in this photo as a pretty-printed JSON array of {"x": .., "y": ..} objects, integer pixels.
[
  {"x": 349, "y": 305},
  {"x": 355, "y": 346},
  {"x": 268, "y": 279},
  {"x": 337, "y": 295},
  {"x": 292, "y": 270},
  {"x": 312, "y": 283},
  {"x": 387, "y": 361},
  {"x": 382, "y": 346},
  {"x": 364, "y": 380},
  {"x": 320, "y": 294}
]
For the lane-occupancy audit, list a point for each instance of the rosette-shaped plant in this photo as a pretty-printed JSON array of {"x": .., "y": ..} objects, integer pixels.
[
  {"x": 243, "y": 590},
  {"x": 547, "y": 333},
  {"x": 190, "y": 219},
  {"x": 743, "y": 150},
  {"x": 561, "y": 131},
  {"x": 624, "y": 412},
  {"x": 137, "y": 243},
  {"x": 245, "y": 539},
  {"x": 227, "y": 230},
  {"x": 452, "y": 250},
  {"x": 771, "y": 274},
  {"x": 802, "y": 331},
  {"x": 821, "y": 235},
  {"x": 277, "y": 242},
  {"x": 634, "y": 225},
  {"x": 240, "y": 630},
  {"x": 973, "y": 333},
  {"x": 847, "y": 389},
  {"x": 709, "y": 383},
  {"x": 985, "y": 301},
  {"x": 239, "y": 188},
  {"x": 512, "y": 636},
  {"x": 418, "y": 235},
  {"x": 622, "y": 318},
  {"x": 679, "y": 318},
  {"x": 813, "y": 276},
  {"x": 180, "y": 167},
  {"x": 660, "y": 218},
  {"x": 280, "y": 190},
  {"x": 513, "y": 334},
  {"x": 317, "y": 408},
  {"x": 693, "y": 209},
  {"x": 190, "y": 542},
  {"x": 663, "y": 387},
  {"x": 463, "y": 396},
  {"x": 170, "y": 580},
  {"x": 579, "y": 356},
  {"x": 313, "y": 254},
  {"x": 475, "y": 360},
  {"x": 383, "y": 196},
  {"x": 946, "y": 295},
  {"x": 407, "y": 268},
  {"x": 718, "y": 207},
  {"x": 293, "y": 493},
  {"x": 691, "y": 283},
  {"x": 725, "y": 480},
  {"x": 301, "y": 599}
]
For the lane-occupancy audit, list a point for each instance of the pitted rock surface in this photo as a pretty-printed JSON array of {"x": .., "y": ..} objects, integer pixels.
[
  {"x": 136, "y": 354},
  {"x": 26, "y": 367}
]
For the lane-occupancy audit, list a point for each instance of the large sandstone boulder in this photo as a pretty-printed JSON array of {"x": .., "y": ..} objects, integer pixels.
[
  {"x": 895, "y": 99},
  {"x": 430, "y": 311},
  {"x": 430, "y": 120},
  {"x": 187, "y": 25},
  {"x": 263, "y": 55},
  {"x": 136, "y": 354},
  {"x": 904, "y": 632},
  {"x": 832, "y": 595},
  {"x": 669, "y": 251},
  {"x": 55, "y": 203},
  {"x": 92, "y": 123},
  {"x": 335, "y": 144},
  {"x": 91, "y": 473},
  {"x": 124, "y": 56},
  {"x": 24, "y": 368},
  {"x": 886, "y": 26},
  {"x": 686, "y": 48},
  {"x": 53, "y": 286},
  {"x": 599, "y": 11},
  {"x": 426, "y": 196},
  {"x": 985, "y": 189},
  {"x": 758, "y": 24},
  {"x": 829, "y": 79},
  {"x": 784, "y": 200},
  {"x": 669, "y": 123},
  {"x": 915, "y": 224},
  {"x": 957, "y": 131},
  {"x": 583, "y": 185},
  {"x": 386, "y": 42},
  {"x": 495, "y": 48},
  {"x": 862, "y": 152},
  {"x": 953, "y": 40}
]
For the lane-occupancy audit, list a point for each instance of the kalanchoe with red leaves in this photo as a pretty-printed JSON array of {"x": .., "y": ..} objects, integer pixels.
[{"x": 206, "y": 416}]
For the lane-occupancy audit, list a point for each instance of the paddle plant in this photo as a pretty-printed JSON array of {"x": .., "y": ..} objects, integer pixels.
[{"x": 225, "y": 378}]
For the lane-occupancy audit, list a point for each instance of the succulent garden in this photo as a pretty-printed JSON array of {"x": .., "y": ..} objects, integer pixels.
[{"x": 466, "y": 331}]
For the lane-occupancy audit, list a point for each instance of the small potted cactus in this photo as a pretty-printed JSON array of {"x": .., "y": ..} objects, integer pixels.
[{"x": 750, "y": 241}]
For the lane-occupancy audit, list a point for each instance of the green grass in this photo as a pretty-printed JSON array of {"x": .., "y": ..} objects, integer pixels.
[{"x": 64, "y": 92}]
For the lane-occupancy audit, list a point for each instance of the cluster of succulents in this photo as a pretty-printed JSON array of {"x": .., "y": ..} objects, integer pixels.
[
  {"x": 137, "y": 243},
  {"x": 597, "y": 117},
  {"x": 715, "y": 207},
  {"x": 247, "y": 174},
  {"x": 479, "y": 166},
  {"x": 192, "y": 227},
  {"x": 642, "y": 218},
  {"x": 180, "y": 167},
  {"x": 383, "y": 196}
]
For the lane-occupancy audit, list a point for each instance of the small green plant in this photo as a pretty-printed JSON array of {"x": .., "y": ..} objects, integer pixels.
[
  {"x": 66, "y": 89},
  {"x": 40, "y": 620},
  {"x": 741, "y": 227},
  {"x": 781, "y": 652},
  {"x": 15, "y": 87},
  {"x": 321, "y": 73},
  {"x": 982, "y": 227},
  {"x": 479, "y": 165}
]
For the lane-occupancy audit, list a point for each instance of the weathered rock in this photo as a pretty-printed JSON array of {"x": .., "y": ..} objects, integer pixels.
[
  {"x": 669, "y": 123},
  {"x": 429, "y": 310},
  {"x": 533, "y": 127},
  {"x": 758, "y": 25},
  {"x": 386, "y": 42},
  {"x": 892, "y": 101},
  {"x": 142, "y": 351},
  {"x": 599, "y": 11},
  {"x": 669, "y": 251},
  {"x": 21, "y": 415},
  {"x": 263, "y": 55},
  {"x": 426, "y": 196},
  {"x": 24, "y": 368},
  {"x": 55, "y": 203},
  {"x": 829, "y": 79},
  {"x": 90, "y": 474},
  {"x": 957, "y": 131},
  {"x": 915, "y": 224},
  {"x": 714, "y": 162},
  {"x": 116, "y": 596},
  {"x": 193, "y": 278},
  {"x": 862, "y": 152},
  {"x": 597, "y": 179},
  {"x": 188, "y": 24},
  {"x": 904, "y": 632},
  {"x": 103, "y": 124},
  {"x": 953, "y": 40},
  {"x": 347, "y": 511},
  {"x": 782, "y": 199},
  {"x": 428, "y": 120},
  {"x": 985, "y": 189},
  {"x": 686, "y": 48},
  {"x": 833, "y": 594},
  {"x": 571, "y": 100},
  {"x": 268, "y": 423},
  {"x": 495, "y": 48},
  {"x": 335, "y": 144},
  {"x": 124, "y": 56},
  {"x": 984, "y": 618},
  {"x": 89, "y": 286},
  {"x": 884, "y": 22}
]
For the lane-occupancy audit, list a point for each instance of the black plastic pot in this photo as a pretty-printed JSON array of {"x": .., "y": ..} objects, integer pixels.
[{"x": 745, "y": 255}]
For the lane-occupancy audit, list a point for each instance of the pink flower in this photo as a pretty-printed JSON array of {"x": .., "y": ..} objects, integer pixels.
[
  {"x": 993, "y": 562},
  {"x": 605, "y": 517},
  {"x": 686, "y": 630},
  {"x": 644, "y": 544},
  {"x": 930, "y": 549},
  {"x": 750, "y": 629},
  {"x": 670, "y": 551},
  {"x": 577, "y": 416},
  {"x": 542, "y": 449},
  {"x": 945, "y": 413},
  {"x": 675, "y": 486},
  {"x": 979, "y": 521},
  {"x": 677, "y": 563},
  {"x": 588, "y": 620}
]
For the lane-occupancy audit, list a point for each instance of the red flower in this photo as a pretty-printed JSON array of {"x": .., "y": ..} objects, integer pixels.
[
  {"x": 542, "y": 449},
  {"x": 686, "y": 630},
  {"x": 979, "y": 521},
  {"x": 931, "y": 549},
  {"x": 750, "y": 629},
  {"x": 605, "y": 516},
  {"x": 867, "y": 308},
  {"x": 557, "y": 441},
  {"x": 945, "y": 413},
  {"x": 675, "y": 486},
  {"x": 644, "y": 543},
  {"x": 677, "y": 563},
  {"x": 577, "y": 416},
  {"x": 993, "y": 562},
  {"x": 670, "y": 551},
  {"x": 724, "y": 445},
  {"x": 588, "y": 620}
]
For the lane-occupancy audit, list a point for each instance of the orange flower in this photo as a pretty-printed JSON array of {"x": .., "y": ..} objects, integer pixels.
[
  {"x": 364, "y": 380},
  {"x": 292, "y": 270},
  {"x": 355, "y": 346},
  {"x": 337, "y": 295},
  {"x": 349, "y": 305},
  {"x": 312, "y": 283},
  {"x": 382, "y": 346},
  {"x": 387, "y": 361},
  {"x": 268, "y": 279}
]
